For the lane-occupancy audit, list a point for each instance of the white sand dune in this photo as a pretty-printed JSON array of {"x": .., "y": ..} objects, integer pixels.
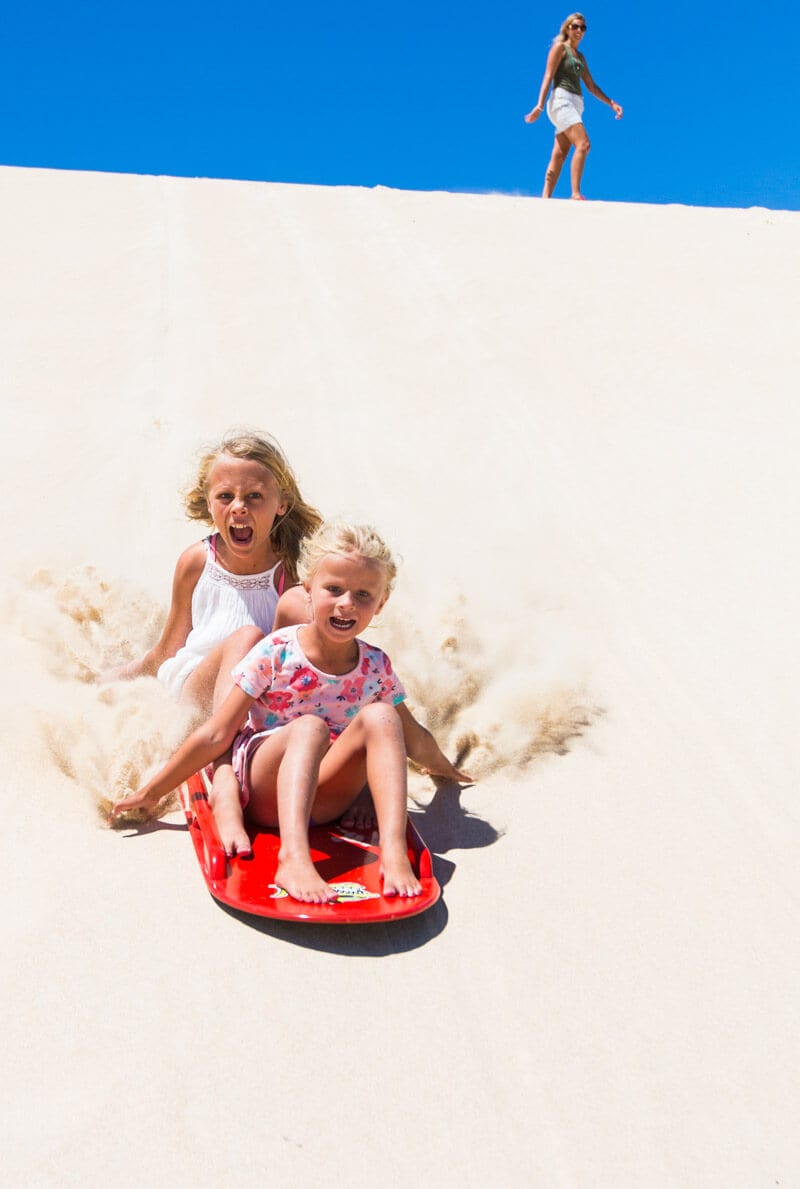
[{"x": 578, "y": 424}]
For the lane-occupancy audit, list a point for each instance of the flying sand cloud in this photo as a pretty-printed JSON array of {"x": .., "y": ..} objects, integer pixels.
[{"x": 493, "y": 706}]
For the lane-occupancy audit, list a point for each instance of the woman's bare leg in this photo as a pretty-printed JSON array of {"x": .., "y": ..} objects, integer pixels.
[
  {"x": 561, "y": 146},
  {"x": 581, "y": 145}
]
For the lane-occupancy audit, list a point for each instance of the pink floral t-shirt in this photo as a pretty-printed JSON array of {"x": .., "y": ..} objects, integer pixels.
[{"x": 286, "y": 684}]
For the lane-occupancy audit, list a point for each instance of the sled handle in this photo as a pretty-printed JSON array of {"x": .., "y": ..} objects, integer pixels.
[{"x": 216, "y": 859}]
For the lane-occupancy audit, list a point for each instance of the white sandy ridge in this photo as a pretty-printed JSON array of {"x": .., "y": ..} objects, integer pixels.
[{"x": 578, "y": 424}]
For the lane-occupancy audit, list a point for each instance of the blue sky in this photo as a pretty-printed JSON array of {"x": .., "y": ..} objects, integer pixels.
[{"x": 428, "y": 95}]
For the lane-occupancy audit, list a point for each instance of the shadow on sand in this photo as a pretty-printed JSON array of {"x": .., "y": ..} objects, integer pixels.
[{"x": 444, "y": 825}]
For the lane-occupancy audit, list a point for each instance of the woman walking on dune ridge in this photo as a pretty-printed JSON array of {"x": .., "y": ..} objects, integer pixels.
[{"x": 566, "y": 68}]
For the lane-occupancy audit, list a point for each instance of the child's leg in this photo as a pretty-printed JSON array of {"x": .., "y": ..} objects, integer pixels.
[
  {"x": 210, "y": 683},
  {"x": 208, "y": 686},
  {"x": 295, "y": 773},
  {"x": 360, "y": 816},
  {"x": 225, "y": 800},
  {"x": 387, "y": 773},
  {"x": 283, "y": 781},
  {"x": 373, "y": 746}
]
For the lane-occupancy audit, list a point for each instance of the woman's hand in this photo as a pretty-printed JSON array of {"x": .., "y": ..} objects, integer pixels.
[
  {"x": 617, "y": 110},
  {"x": 533, "y": 115}
]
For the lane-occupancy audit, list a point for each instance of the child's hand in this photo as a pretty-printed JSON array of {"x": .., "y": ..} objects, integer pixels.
[
  {"x": 132, "y": 802},
  {"x": 118, "y": 673},
  {"x": 447, "y": 771}
]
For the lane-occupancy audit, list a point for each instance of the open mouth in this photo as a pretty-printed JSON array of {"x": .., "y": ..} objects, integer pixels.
[
  {"x": 242, "y": 534},
  {"x": 342, "y": 625}
]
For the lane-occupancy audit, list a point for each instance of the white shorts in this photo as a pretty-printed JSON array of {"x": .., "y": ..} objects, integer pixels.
[
  {"x": 175, "y": 669},
  {"x": 564, "y": 109}
]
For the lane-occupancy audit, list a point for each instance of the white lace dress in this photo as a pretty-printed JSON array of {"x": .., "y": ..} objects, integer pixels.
[{"x": 221, "y": 603}]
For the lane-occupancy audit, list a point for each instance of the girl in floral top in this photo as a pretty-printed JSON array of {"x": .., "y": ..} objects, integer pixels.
[{"x": 325, "y": 715}]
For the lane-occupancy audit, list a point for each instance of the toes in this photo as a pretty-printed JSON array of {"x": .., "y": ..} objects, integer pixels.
[
  {"x": 306, "y": 886},
  {"x": 313, "y": 895},
  {"x": 402, "y": 886},
  {"x": 238, "y": 847}
]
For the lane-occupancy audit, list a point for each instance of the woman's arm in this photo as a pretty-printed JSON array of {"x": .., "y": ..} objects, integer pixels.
[
  {"x": 179, "y": 619},
  {"x": 593, "y": 89},
  {"x": 207, "y": 743},
  {"x": 553, "y": 63},
  {"x": 422, "y": 748}
]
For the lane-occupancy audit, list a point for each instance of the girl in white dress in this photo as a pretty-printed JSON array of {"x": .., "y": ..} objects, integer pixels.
[{"x": 226, "y": 587}]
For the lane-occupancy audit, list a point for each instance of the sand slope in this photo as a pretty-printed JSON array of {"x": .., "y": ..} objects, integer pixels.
[{"x": 578, "y": 425}]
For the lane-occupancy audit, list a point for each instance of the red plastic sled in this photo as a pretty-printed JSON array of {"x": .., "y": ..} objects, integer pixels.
[{"x": 349, "y": 861}]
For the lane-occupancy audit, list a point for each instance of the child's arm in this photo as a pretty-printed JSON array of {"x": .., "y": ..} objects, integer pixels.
[
  {"x": 179, "y": 619},
  {"x": 209, "y": 741},
  {"x": 422, "y": 748},
  {"x": 293, "y": 607}
]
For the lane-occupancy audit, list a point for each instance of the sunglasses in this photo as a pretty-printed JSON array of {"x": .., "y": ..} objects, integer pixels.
[{"x": 574, "y": 25}]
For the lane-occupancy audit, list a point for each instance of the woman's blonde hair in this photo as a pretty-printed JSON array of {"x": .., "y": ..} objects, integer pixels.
[
  {"x": 563, "y": 34},
  {"x": 336, "y": 536},
  {"x": 299, "y": 519}
]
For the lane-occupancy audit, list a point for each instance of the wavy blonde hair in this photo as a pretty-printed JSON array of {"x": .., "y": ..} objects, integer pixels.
[
  {"x": 563, "y": 31},
  {"x": 337, "y": 536},
  {"x": 300, "y": 518}
]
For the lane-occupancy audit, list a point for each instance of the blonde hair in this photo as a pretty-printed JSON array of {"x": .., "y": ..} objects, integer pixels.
[
  {"x": 299, "y": 519},
  {"x": 562, "y": 34},
  {"x": 336, "y": 536}
]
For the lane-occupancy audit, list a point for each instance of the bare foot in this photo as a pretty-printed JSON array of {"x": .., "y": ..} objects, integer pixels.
[
  {"x": 360, "y": 817},
  {"x": 226, "y": 806},
  {"x": 398, "y": 876},
  {"x": 299, "y": 877}
]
